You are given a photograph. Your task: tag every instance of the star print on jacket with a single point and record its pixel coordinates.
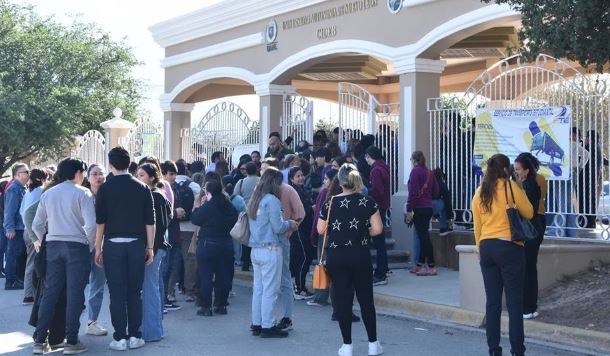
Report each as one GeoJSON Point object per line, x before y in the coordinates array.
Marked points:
{"type": "Point", "coordinates": [363, 201]}
{"type": "Point", "coordinates": [345, 203]}
{"type": "Point", "coordinates": [353, 224]}
{"type": "Point", "coordinates": [348, 220]}
{"type": "Point", "coordinates": [337, 225]}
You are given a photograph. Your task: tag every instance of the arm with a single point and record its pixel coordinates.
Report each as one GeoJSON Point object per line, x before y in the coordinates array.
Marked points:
{"type": "Point", "coordinates": [413, 188]}
{"type": "Point", "coordinates": [149, 219]}
{"type": "Point", "coordinates": [28, 221]}
{"type": "Point", "coordinates": [195, 188]}
{"type": "Point", "coordinates": [376, 186]}
{"type": "Point", "coordinates": [376, 224]}
{"type": "Point", "coordinates": [11, 207]}
{"type": "Point", "coordinates": [321, 226]}
{"type": "Point", "coordinates": [278, 224]}
{"type": "Point", "coordinates": [99, 237]}
{"type": "Point", "coordinates": [40, 219]}
{"type": "Point", "coordinates": [88, 211]}
{"type": "Point", "coordinates": [476, 215]}
{"type": "Point", "coordinates": [198, 216]}
{"type": "Point", "coordinates": [523, 205]}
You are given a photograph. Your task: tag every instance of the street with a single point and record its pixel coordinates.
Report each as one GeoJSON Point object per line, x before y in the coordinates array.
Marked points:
{"type": "Point", "coordinates": [314, 334]}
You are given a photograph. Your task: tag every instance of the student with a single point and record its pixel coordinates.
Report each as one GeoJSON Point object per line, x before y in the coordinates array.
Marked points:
{"type": "Point", "coordinates": [323, 157]}
{"type": "Point", "coordinates": [14, 228]}
{"type": "Point", "coordinates": [126, 227]}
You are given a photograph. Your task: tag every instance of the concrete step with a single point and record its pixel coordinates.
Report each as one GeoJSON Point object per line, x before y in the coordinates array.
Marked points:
{"type": "Point", "coordinates": [393, 256]}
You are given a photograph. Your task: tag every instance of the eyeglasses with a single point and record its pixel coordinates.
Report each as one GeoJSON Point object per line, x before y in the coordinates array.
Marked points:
{"type": "Point", "coordinates": [26, 172]}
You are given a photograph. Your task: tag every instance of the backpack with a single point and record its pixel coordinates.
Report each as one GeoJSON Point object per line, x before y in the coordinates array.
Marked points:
{"type": "Point", "coordinates": [185, 198]}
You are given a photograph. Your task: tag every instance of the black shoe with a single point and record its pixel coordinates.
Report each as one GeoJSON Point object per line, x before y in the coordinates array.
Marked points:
{"type": "Point", "coordinates": [2, 275]}
{"type": "Point", "coordinates": [222, 310]}
{"type": "Point", "coordinates": [285, 324]}
{"type": "Point", "coordinates": [256, 330]}
{"type": "Point", "coordinates": [205, 312]}
{"type": "Point", "coordinates": [171, 306]}
{"type": "Point", "coordinates": [445, 232]}
{"type": "Point", "coordinates": [14, 286]}
{"type": "Point", "coordinates": [245, 268]}
{"type": "Point", "coordinates": [355, 318]}
{"type": "Point", "coordinates": [273, 332]}
{"type": "Point", "coordinates": [379, 281]}
{"type": "Point", "coordinates": [334, 317]}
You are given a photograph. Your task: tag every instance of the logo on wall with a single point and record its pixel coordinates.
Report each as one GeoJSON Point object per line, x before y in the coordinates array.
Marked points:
{"type": "Point", "coordinates": [271, 36]}
{"type": "Point", "coordinates": [394, 6]}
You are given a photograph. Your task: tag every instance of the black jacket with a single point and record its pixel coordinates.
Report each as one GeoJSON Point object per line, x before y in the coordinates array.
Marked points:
{"type": "Point", "coordinates": [216, 218]}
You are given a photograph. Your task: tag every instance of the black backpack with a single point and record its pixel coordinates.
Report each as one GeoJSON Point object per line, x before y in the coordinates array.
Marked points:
{"type": "Point", "coordinates": [185, 198]}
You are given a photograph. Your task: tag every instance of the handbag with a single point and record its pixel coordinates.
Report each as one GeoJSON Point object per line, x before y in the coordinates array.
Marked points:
{"type": "Point", "coordinates": [321, 280]}
{"type": "Point", "coordinates": [241, 229]}
{"type": "Point", "coordinates": [520, 229]}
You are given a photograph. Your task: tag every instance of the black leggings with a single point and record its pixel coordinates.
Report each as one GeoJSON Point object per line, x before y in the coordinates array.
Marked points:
{"type": "Point", "coordinates": [530, 286]}
{"type": "Point", "coordinates": [421, 221]}
{"type": "Point", "coordinates": [350, 270]}
{"type": "Point", "coordinates": [301, 255]}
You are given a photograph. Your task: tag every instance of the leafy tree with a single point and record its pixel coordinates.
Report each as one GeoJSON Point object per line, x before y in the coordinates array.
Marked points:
{"type": "Point", "coordinates": [578, 30]}
{"type": "Point", "coordinates": [56, 82]}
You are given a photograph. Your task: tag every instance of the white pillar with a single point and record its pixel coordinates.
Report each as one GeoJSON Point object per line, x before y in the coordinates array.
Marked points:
{"type": "Point", "coordinates": [271, 110]}
{"type": "Point", "coordinates": [115, 129]}
{"type": "Point", "coordinates": [176, 116]}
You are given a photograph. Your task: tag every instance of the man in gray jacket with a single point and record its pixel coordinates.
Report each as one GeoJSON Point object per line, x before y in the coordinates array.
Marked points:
{"type": "Point", "coordinates": [69, 212]}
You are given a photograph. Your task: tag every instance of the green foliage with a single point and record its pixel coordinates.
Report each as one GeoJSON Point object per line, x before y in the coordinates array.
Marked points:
{"type": "Point", "coordinates": [57, 81]}
{"type": "Point", "coordinates": [578, 30]}
{"type": "Point", "coordinates": [325, 125]}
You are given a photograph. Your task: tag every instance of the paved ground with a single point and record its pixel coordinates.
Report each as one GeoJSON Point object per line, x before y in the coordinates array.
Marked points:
{"type": "Point", "coordinates": [314, 334]}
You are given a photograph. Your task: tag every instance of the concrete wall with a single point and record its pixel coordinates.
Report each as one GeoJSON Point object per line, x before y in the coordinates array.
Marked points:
{"type": "Point", "coordinates": [554, 262]}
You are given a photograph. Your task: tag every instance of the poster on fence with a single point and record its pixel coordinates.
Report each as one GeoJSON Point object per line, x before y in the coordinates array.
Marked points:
{"type": "Point", "coordinates": [149, 144]}
{"type": "Point", "coordinates": [545, 132]}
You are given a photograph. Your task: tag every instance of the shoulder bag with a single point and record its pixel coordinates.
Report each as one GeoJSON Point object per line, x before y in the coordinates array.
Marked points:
{"type": "Point", "coordinates": [321, 280]}
{"type": "Point", "coordinates": [520, 229]}
{"type": "Point", "coordinates": [241, 229]}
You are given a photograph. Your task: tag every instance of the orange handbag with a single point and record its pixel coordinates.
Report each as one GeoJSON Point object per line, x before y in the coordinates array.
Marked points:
{"type": "Point", "coordinates": [321, 280]}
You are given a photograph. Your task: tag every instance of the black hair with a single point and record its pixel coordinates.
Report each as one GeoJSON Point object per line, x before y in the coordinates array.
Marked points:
{"type": "Point", "coordinates": [273, 162]}
{"type": "Point", "coordinates": [323, 152]}
{"type": "Point", "coordinates": [340, 160]}
{"type": "Point", "coordinates": [245, 158]}
{"type": "Point", "coordinates": [197, 167]}
{"type": "Point", "coordinates": [220, 199]}
{"type": "Point", "coordinates": [181, 167]}
{"type": "Point", "coordinates": [133, 168]}
{"type": "Point", "coordinates": [251, 168]}
{"type": "Point", "coordinates": [118, 157]}
{"type": "Point", "coordinates": [68, 167]}
{"type": "Point", "coordinates": [168, 166]}
{"type": "Point", "coordinates": [374, 153]}
{"type": "Point", "coordinates": [293, 172]}
{"type": "Point", "coordinates": [276, 134]}
{"type": "Point", "coordinates": [215, 156]}
{"type": "Point", "coordinates": [37, 178]}
{"type": "Point", "coordinates": [153, 172]}
{"type": "Point", "coordinates": [253, 152]}
{"type": "Point", "coordinates": [331, 174]}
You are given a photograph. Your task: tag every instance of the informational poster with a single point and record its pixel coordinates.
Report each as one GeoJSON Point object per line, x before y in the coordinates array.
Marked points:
{"type": "Point", "coordinates": [149, 144]}
{"type": "Point", "coordinates": [545, 132]}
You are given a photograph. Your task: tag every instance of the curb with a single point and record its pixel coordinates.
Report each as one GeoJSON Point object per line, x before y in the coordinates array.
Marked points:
{"type": "Point", "coordinates": [595, 342]}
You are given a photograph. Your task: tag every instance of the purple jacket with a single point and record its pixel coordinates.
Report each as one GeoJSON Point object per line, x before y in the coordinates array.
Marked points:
{"type": "Point", "coordinates": [422, 187]}
{"type": "Point", "coordinates": [380, 184]}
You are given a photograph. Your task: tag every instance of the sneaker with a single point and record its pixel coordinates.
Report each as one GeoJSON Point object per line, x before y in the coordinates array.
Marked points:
{"type": "Point", "coordinates": [57, 346]}
{"type": "Point", "coordinates": [2, 275]}
{"type": "Point", "coordinates": [535, 315]}
{"type": "Point", "coordinates": [28, 301]}
{"type": "Point", "coordinates": [164, 311]}
{"type": "Point", "coordinates": [77, 348]}
{"type": "Point", "coordinates": [232, 294]}
{"type": "Point", "coordinates": [379, 281]}
{"type": "Point", "coordinates": [93, 328]}
{"type": "Point", "coordinates": [285, 324]}
{"type": "Point", "coordinates": [355, 318]}
{"type": "Point", "coordinates": [38, 348]}
{"type": "Point", "coordinates": [17, 285]}
{"type": "Point", "coordinates": [445, 232]}
{"type": "Point", "coordinates": [273, 332]}
{"type": "Point", "coordinates": [528, 316]}
{"type": "Point", "coordinates": [415, 269]}
{"type": "Point", "coordinates": [189, 299]}
{"type": "Point", "coordinates": [171, 298]}
{"type": "Point", "coordinates": [136, 342]}
{"type": "Point", "coordinates": [120, 345]}
{"type": "Point", "coordinates": [205, 312]}
{"type": "Point", "coordinates": [303, 295]}
{"type": "Point", "coordinates": [375, 348]}
{"type": "Point", "coordinates": [172, 306]}
{"type": "Point", "coordinates": [427, 271]}
{"type": "Point", "coordinates": [346, 350]}
{"type": "Point", "coordinates": [313, 303]}
{"type": "Point", "coordinates": [220, 310]}
{"type": "Point", "coordinates": [256, 330]}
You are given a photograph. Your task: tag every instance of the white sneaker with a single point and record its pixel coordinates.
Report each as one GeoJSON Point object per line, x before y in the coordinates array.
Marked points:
{"type": "Point", "coordinates": [345, 350]}
{"type": "Point", "coordinates": [120, 345]}
{"type": "Point", "coordinates": [528, 316]}
{"type": "Point", "coordinates": [96, 330]}
{"type": "Point", "coordinates": [535, 315]}
{"type": "Point", "coordinates": [135, 343]}
{"type": "Point", "coordinates": [375, 348]}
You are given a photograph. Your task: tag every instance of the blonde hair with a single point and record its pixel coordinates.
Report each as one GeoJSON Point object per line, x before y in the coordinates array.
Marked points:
{"type": "Point", "coordinates": [349, 177]}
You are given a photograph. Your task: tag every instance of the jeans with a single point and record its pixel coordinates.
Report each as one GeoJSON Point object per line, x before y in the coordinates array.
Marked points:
{"type": "Point", "coordinates": [124, 267]}
{"type": "Point", "coordinates": [267, 265]}
{"type": "Point", "coordinates": [167, 267]}
{"type": "Point", "coordinates": [3, 245]}
{"type": "Point", "coordinates": [215, 265]}
{"type": "Point", "coordinates": [438, 208]}
{"type": "Point", "coordinates": [97, 280]}
{"type": "Point", "coordinates": [67, 269]}
{"type": "Point", "coordinates": [15, 264]}
{"type": "Point", "coordinates": [152, 304]}
{"type": "Point", "coordinates": [287, 304]}
{"type": "Point", "coordinates": [421, 221]}
{"type": "Point", "coordinates": [189, 278]}
{"type": "Point", "coordinates": [28, 284]}
{"type": "Point", "coordinates": [236, 250]}
{"type": "Point", "coordinates": [503, 268]}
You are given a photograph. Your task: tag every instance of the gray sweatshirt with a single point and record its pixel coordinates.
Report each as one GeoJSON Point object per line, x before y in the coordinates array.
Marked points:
{"type": "Point", "coordinates": [69, 212]}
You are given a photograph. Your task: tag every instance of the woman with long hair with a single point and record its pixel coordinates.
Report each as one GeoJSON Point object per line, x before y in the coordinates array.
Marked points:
{"type": "Point", "coordinates": [351, 218]}
{"type": "Point", "coordinates": [152, 289]}
{"type": "Point", "coordinates": [267, 226]}
{"type": "Point", "coordinates": [502, 260]}
{"type": "Point", "coordinates": [216, 217]}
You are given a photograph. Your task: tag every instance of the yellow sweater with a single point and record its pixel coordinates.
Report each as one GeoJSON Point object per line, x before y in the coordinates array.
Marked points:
{"type": "Point", "coordinates": [494, 224]}
{"type": "Point", "coordinates": [543, 190]}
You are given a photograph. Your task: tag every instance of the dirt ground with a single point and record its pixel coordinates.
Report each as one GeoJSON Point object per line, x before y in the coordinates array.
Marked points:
{"type": "Point", "coordinates": [581, 301]}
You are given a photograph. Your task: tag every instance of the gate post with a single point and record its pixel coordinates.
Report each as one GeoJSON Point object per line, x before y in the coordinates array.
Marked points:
{"type": "Point", "coordinates": [115, 129]}
{"type": "Point", "coordinates": [271, 110]}
{"type": "Point", "coordinates": [176, 116]}
{"type": "Point", "coordinates": [419, 80]}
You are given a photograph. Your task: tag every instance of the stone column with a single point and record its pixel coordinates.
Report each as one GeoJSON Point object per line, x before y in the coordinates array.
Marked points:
{"type": "Point", "coordinates": [419, 80]}
{"type": "Point", "coordinates": [271, 110]}
{"type": "Point", "coordinates": [115, 129]}
{"type": "Point", "coordinates": [176, 116]}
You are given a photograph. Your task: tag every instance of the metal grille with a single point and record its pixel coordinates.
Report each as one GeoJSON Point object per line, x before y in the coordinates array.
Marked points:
{"type": "Point", "coordinates": [92, 148]}
{"type": "Point", "coordinates": [145, 138]}
{"type": "Point", "coordinates": [579, 206]}
{"type": "Point", "coordinates": [297, 120]}
{"type": "Point", "coordinates": [224, 128]}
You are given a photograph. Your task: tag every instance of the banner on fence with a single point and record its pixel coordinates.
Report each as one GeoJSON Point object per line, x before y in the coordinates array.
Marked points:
{"type": "Point", "coordinates": [545, 132]}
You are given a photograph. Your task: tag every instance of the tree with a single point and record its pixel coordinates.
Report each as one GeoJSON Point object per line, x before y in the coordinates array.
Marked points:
{"type": "Point", "coordinates": [578, 30]}
{"type": "Point", "coordinates": [57, 82]}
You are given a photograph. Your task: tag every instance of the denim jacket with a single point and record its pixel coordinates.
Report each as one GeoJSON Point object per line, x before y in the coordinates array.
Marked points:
{"type": "Point", "coordinates": [269, 225]}
{"type": "Point", "coordinates": [12, 202]}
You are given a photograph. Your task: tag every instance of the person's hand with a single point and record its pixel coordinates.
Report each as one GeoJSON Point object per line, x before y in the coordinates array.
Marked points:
{"type": "Point", "coordinates": [294, 226]}
{"type": "Point", "coordinates": [409, 218]}
{"type": "Point", "coordinates": [37, 244]}
{"type": "Point", "coordinates": [150, 256]}
{"type": "Point", "coordinates": [99, 258]}
{"type": "Point", "coordinates": [180, 213]}
{"type": "Point", "coordinates": [10, 235]}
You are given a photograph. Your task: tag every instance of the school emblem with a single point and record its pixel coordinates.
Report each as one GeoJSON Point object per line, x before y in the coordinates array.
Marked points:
{"type": "Point", "coordinates": [394, 6]}
{"type": "Point", "coordinates": [271, 35]}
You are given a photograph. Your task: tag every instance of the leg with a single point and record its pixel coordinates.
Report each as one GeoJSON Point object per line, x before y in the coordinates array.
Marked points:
{"type": "Point", "coordinates": [78, 266]}
{"type": "Point", "coordinates": [438, 207]}
{"type": "Point", "coordinates": [54, 286]}
{"type": "Point", "coordinates": [152, 309]}
{"type": "Point", "coordinates": [363, 285]}
{"type": "Point", "coordinates": [14, 250]}
{"type": "Point", "coordinates": [136, 258]}
{"type": "Point", "coordinates": [57, 329]}
{"type": "Point", "coordinates": [163, 256]}
{"type": "Point", "coordinates": [513, 269]}
{"type": "Point", "coordinates": [421, 221]}
{"type": "Point", "coordinates": [3, 244]}
{"type": "Point", "coordinates": [29, 266]}
{"type": "Point", "coordinates": [222, 274]}
{"type": "Point", "coordinates": [97, 280]}
{"type": "Point", "coordinates": [343, 300]}
{"type": "Point", "coordinates": [272, 276]}
{"type": "Point", "coordinates": [115, 265]}
{"type": "Point", "coordinates": [309, 256]}
{"type": "Point", "coordinates": [492, 279]}
{"type": "Point", "coordinates": [530, 286]}
{"type": "Point", "coordinates": [295, 259]}
{"type": "Point", "coordinates": [382, 254]}
{"type": "Point", "coordinates": [257, 286]}
{"type": "Point", "coordinates": [321, 295]}
{"type": "Point", "coordinates": [286, 281]}
{"type": "Point", "coordinates": [205, 264]}
{"type": "Point", "coordinates": [190, 265]}
{"type": "Point", "coordinates": [245, 257]}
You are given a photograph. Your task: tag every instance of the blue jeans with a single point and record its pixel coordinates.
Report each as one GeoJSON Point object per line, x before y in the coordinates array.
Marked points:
{"type": "Point", "coordinates": [167, 266]}
{"type": "Point", "coordinates": [97, 280]}
{"type": "Point", "coordinates": [15, 263]}
{"type": "Point", "coordinates": [215, 265]}
{"type": "Point", "coordinates": [267, 265]}
{"type": "Point", "coordinates": [236, 250]}
{"type": "Point", "coordinates": [438, 208]}
{"type": "Point", "coordinates": [287, 290]}
{"type": "Point", "coordinates": [152, 304]}
{"type": "Point", "coordinates": [3, 245]}
{"type": "Point", "coordinates": [67, 269]}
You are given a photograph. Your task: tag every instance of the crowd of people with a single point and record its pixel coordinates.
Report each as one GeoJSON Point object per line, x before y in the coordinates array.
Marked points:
{"type": "Point", "coordinates": [148, 229]}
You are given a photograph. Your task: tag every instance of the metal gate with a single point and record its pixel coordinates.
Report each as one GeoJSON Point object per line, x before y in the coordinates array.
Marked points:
{"type": "Point", "coordinates": [145, 138]}
{"type": "Point", "coordinates": [360, 113]}
{"type": "Point", "coordinates": [92, 148]}
{"type": "Point", "coordinates": [297, 119]}
{"type": "Point", "coordinates": [579, 206]}
{"type": "Point", "coordinates": [225, 128]}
